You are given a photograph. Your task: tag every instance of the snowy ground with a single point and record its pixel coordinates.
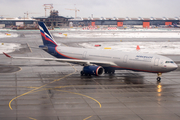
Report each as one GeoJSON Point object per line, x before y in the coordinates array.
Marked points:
{"type": "Point", "coordinates": [117, 29]}
{"type": "Point", "coordinates": [4, 35]}
{"type": "Point", "coordinates": [145, 47]}
{"type": "Point", "coordinates": [8, 47]}
{"type": "Point", "coordinates": [175, 34]}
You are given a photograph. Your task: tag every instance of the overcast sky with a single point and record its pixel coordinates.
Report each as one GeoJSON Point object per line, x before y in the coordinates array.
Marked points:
{"type": "Point", "coordinates": [99, 8]}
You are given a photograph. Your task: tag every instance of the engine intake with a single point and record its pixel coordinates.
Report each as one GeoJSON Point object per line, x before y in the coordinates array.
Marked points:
{"type": "Point", "coordinates": [92, 70]}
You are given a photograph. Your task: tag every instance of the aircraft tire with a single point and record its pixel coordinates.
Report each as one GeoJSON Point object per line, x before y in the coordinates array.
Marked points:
{"type": "Point", "coordinates": [158, 79]}
{"type": "Point", "coordinates": [82, 73]}
{"type": "Point", "coordinates": [86, 74]}
{"type": "Point", "coordinates": [111, 71]}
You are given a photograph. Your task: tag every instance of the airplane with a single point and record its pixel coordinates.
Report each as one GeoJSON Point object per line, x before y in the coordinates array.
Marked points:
{"type": "Point", "coordinates": [96, 62]}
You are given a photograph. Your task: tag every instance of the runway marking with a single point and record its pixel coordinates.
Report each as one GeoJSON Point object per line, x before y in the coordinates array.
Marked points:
{"type": "Point", "coordinates": [36, 89]}
{"type": "Point", "coordinates": [82, 95]}
{"type": "Point", "coordinates": [72, 93]}
{"type": "Point", "coordinates": [29, 47]}
{"type": "Point", "coordinates": [32, 118]}
{"type": "Point", "coordinates": [87, 117]}
{"type": "Point", "coordinates": [41, 87]}
{"type": "Point", "coordinates": [68, 86]}
{"type": "Point", "coordinates": [68, 92]}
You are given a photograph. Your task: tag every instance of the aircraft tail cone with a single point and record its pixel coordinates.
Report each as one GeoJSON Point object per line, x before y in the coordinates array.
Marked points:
{"type": "Point", "coordinates": [137, 48]}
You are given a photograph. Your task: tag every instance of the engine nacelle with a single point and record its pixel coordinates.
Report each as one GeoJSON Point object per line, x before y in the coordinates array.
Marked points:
{"type": "Point", "coordinates": [92, 70]}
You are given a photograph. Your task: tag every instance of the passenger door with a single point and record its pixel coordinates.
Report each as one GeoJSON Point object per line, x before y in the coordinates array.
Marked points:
{"type": "Point", "coordinates": [156, 61]}
{"type": "Point", "coordinates": [84, 54]}
{"type": "Point", "coordinates": [125, 58]}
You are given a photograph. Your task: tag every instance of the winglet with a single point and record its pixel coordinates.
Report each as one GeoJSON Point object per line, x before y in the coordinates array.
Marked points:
{"type": "Point", "coordinates": [7, 55]}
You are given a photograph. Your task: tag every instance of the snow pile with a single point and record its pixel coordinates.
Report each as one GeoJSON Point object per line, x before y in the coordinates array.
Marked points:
{"type": "Point", "coordinates": [9, 47]}
{"type": "Point", "coordinates": [145, 47]}
{"type": "Point", "coordinates": [4, 35]}
{"type": "Point", "coordinates": [119, 34]}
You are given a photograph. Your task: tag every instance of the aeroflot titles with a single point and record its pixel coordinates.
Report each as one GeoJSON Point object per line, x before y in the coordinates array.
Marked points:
{"type": "Point", "coordinates": [146, 57]}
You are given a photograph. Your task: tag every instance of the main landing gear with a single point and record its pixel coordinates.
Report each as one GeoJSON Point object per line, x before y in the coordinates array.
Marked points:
{"type": "Point", "coordinates": [109, 71]}
{"type": "Point", "coordinates": [159, 77]}
{"type": "Point", "coordinates": [82, 74]}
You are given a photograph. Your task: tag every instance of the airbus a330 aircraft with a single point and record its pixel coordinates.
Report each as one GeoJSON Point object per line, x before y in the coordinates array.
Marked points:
{"type": "Point", "coordinates": [96, 62]}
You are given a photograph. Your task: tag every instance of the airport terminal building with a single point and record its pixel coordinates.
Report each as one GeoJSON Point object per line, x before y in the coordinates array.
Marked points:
{"type": "Point", "coordinates": [12, 22]}
{"type": "Point", "coordinates": [54, 20]}
{"type": "Point", "coordinates": [120, 22]}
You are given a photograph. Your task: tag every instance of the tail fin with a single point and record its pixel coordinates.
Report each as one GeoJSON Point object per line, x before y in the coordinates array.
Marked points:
{"type": "Point", "coordinates": [47, 38]}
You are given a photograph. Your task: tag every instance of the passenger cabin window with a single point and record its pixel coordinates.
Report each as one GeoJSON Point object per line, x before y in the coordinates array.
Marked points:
{"type": "Point", "coordinates": [169, 62]}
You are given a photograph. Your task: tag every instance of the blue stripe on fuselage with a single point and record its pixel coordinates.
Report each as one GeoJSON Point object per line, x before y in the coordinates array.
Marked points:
{"type": "Point", "coordinates": [52, 50]}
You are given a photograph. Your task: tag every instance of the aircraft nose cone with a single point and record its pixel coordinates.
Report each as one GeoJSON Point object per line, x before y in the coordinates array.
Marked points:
{"type": "Point", "coordinates": [176, 66]}
{"type": "Point", "coordinates": [173, 66]}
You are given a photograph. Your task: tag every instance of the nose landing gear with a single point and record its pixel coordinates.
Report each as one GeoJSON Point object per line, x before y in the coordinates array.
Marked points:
{"type": "Point", "coordinates": [159, 77]}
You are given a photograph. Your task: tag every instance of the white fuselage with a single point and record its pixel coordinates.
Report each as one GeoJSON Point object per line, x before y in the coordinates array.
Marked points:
{"type": "Point", "coordinates": [124, 60]}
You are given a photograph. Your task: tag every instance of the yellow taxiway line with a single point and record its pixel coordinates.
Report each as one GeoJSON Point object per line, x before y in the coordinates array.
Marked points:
{"type": "Point", "coordinates": [37, 89]}
{"type": "Point", "coordinates": [41, 87]}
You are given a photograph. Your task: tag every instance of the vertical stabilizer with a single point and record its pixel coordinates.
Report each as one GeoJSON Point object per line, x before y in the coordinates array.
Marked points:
{"type": "Point", "coordinates": [47, 38]}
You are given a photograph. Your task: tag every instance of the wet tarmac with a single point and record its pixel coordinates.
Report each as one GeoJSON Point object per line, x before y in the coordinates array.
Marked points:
{"type": "Point", "coordinates": [42, 90]}
{"type": "Point", "coordinates": [9, 68]}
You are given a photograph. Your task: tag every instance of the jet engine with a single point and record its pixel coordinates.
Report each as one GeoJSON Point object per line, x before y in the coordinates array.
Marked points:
{"type": "Point", "coordinates": [92, 70]}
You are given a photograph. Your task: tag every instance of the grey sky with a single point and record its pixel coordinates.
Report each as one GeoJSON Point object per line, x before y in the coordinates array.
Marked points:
{"type": "Point", "coordinates": [99, 8]}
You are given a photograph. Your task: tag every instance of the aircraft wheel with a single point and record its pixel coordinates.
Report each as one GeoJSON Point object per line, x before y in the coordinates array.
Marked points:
{"type": "Point", "coordinates": [111, 71]}
{"type": "Point", "coordinates": [82, 73]}
{"type": "Point", "coordinates": [158, 79]}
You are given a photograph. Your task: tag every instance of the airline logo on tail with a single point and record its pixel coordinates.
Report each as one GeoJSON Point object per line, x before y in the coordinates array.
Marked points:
{"type": "Point", "coordinates": [46, 35]}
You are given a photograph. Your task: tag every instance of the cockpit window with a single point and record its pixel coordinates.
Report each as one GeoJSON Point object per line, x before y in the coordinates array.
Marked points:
{"type": "Point", "coordinates": [169, 62]}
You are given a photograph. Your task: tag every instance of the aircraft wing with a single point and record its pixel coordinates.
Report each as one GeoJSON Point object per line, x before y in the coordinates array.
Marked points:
{"type": "Point", "coordinates": [80, 62]}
